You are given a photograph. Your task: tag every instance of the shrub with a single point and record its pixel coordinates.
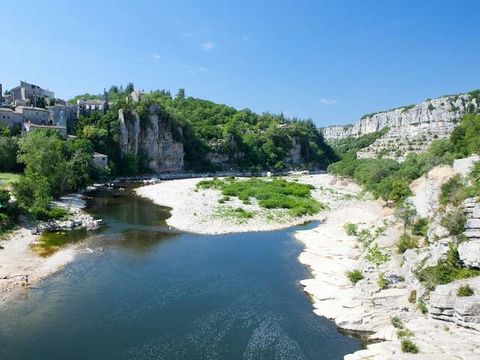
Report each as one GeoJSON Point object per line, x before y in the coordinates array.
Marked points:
{"type": "Point", "coordinates": [422, 306]}
{"type": "Point", "coordinates": [420, 227]}
{"type": "Point", "coordinates": [404, 333]}
{"type": "Point", "coordinates": [454, 221]}
{"type": "Point", "coordinates": [351, 229]}
{"type": "Point", "coordinates": [382, 282]}
{"type": "Point", "coordinates": [376, 256]}
{"type": "Point", "coordinates": [412, 297]}
{"type": "Point", "coordinates": [452, 192]}
{"type": "Point", "coordinates": [408, 346]}
{"type": "Point", "coordinates": [397, 322]}
{"type": "Point", "coordinates": [406, 242]}
{"type": "Point", "coordinates": [354, 276]}
{"type": "Point", "coordinates": [465, 290]}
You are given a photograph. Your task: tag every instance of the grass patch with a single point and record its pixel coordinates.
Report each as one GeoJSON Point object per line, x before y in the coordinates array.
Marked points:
{"type": "Point", "coordinates": [238, 214]}
{"type": "Point", "coordinates": [412, 297]}
{"type": "Point", "coordinates": [270, 194]}
{"type": "Point", "coordinates": [351, 229]}
{"type": "Point", "coordinates": [464, 291]}
{"type": "Point", "coordinates": [408, 346]}
{"type": "Point", "coordinates": [354, 276]}
{"type": "Point", "coordinates": [397, 322]}
{"type": "Point", "coordinates": [422, 306]}
{"type": "Point", "coordinates": [7, 179]}
{"type": "Point", "coordinates": [406, 242]}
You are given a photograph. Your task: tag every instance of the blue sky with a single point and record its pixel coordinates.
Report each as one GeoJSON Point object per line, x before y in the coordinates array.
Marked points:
{"type": "Point", "coordinates": [331, 61]}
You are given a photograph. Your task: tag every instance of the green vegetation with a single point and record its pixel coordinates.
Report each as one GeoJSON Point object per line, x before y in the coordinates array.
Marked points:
{"type": "Point", "coordinates": [8, 212]}
{"type": "Point", "coordinates": [53, 167]}
{"type": "Point", "coordinates": [351, 145]}
{"type": "Point", "coordinates": [454, 221]}
{"type": "Point", "coordinates": [351, 229]}
{"type": "Point", "coordinates": [465, 290]}
{"type": "Point", "coordinates": [406, 242]}
{"type": "Point", "coordinates": [390, 180]}
{"type": "Point", "coordinates": [420, 227]}
{"type": "Point", "coordinates": [397, 322]}
{"type": "Point", "coordinates": [408, 346]}
{"type": "Point", "coordinates": [354, 276]}
{"type": "Point", "coordinates": [238, 214]}
{"type": "Point", "coordinates": [376, 256]}
{"type": "Point", "coordinates": [382, 282]}
{"type": "Point", "coordinates": [412, 297]}
{"type": "Point", "coordinates": [8, 179]}
{"type": "Point", "coordinates": [422, 306]}
{"type": "Point", "coordinates": [445, 271]}
{"type": "Point", "coordinates": [270, 194]}
{"type": "Point", "coordinates": [402, 333]}
{"type": "Point", "coordinates": [250, 141]}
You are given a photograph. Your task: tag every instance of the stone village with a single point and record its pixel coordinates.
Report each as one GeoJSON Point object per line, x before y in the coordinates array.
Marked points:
{"type": "Point", "coordinates": [29, 107]}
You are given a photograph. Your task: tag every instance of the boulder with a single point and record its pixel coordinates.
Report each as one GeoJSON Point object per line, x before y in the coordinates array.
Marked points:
{"type": "Point", "coordinates": [469, 253]}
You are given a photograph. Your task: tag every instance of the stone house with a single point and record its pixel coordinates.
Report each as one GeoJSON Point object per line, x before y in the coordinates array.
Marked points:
{"type": "Point", "coordinates": [86, 107]}
{"type": "Point", "coordinates": [33, 115]}
{"type": "Point", "coordinates": [30, 92]}
{"type": "Point", "coordinates": [9, 117]}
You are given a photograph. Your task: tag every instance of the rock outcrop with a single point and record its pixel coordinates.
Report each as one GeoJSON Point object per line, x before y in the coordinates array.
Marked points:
{"type": "Point", "coordinates": [469, 250]}
{"type": "Point", "coordinates": [411, 128]}
{"type": "Point", "coordinates": [462, 310]}
{"type": "Point", "coordinates": [152, 139]}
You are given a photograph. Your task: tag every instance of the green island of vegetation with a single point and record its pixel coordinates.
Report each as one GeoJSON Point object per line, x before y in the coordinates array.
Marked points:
{"type": "Point", "coordinates": [270, 194]}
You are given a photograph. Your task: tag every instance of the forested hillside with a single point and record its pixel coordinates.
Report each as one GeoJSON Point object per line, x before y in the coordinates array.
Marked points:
{"type": "Point", "coordinates": [241, 139]}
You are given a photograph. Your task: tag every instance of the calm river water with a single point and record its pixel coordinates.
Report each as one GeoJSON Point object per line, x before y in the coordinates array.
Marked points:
{"type": "Point", "coordinates": [152, 294]}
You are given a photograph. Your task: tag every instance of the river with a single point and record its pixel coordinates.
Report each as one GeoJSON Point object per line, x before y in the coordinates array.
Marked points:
{"type": "Point", "coordinates": [148, 293]}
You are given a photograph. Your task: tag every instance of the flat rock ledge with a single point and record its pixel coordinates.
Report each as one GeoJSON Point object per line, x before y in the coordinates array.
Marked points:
{"type": "Point", "coordinates": [447, 306]}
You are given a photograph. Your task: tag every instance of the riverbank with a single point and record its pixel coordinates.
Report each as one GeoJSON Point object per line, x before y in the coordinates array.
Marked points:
{"type": "Point", "coordinates": [365, 307]}
{"type": "Point", "coordinates": [25, 259]}
{"type": "Point", "coordinates": [203, 211]}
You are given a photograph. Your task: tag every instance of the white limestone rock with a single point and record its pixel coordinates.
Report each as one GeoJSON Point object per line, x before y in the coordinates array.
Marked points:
{"type": "Point", "coordinates": [469, 253]}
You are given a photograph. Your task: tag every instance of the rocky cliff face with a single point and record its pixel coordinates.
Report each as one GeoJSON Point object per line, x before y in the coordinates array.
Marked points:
{"type": "Point", "coordinates": [152, 140]}
{"type": "Point", "coordinates": [411, 128]}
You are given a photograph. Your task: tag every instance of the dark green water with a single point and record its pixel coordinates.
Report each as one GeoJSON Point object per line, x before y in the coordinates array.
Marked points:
{"type": "Point", "coordinates": [152, 294]}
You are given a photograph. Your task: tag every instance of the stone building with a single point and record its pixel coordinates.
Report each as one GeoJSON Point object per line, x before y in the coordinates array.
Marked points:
{"type": "Point", "coordinates": [9, 118]}
{"type": "Point", "coordinates": [62, 115]}
{"type": "Point", "coordinates": [86, 107]}
{"type": "Point", "coordinates": [33, 115]}
{"type": "Point", "coordinates": [30, 94]}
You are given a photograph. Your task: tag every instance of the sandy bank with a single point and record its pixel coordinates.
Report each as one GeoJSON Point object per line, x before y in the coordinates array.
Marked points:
{"type": "Point", "coordinates": [17, 260]}
{"type": "Point", "coordinates": [198, 210]}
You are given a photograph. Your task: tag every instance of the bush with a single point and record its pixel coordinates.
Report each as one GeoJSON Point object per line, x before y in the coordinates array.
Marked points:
{"type": "Point", "coordinates": [274, 194]}
{"type": "Point", "coordinates": [376, 256]}
{"type": "Point", "coordinates": [452, 192]}
{"type": "Point", "coordinates": [351, 229]}
{"type": "Point", "coordinates": [454, 221]}
{"type": "Point", "coordinates": [420, 227]}
{"type": "Point", "coordinates": [412, 297]}
{"type": "Point", "coordinates": [354, 276]}
{"type": "Point", "coordinates": [397, 322]}
{"type": "Point", "coordinates": [422, 306]}
{"type": "Point", "coordinates": [408, 346]}
{"type": "Point", "coordinates": [382, 282]}
{"type": "Point", "coordinates": [465, 290]}
{"type": "Point", "coordinates": [406, 242]}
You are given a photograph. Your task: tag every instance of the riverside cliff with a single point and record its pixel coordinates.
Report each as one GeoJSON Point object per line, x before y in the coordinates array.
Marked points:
{"type": "Point", "coordinates": [410, 128]}
{"type": "Point", "coordinates": [151, 138]}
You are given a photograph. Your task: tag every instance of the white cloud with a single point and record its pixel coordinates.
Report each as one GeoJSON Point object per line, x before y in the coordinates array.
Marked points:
{"type": "Point", "coordinates": [156, 56]}
{"type": "Point", "coordinates": [207, 46]}
{"type": "Point", "coordinates": [325, 101]}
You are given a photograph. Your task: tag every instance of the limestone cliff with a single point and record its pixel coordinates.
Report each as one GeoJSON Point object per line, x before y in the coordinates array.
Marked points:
{"type": "Point", "coordinates": [152, 139]}
{"type": "Point", "coordinates": [411, 128]}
